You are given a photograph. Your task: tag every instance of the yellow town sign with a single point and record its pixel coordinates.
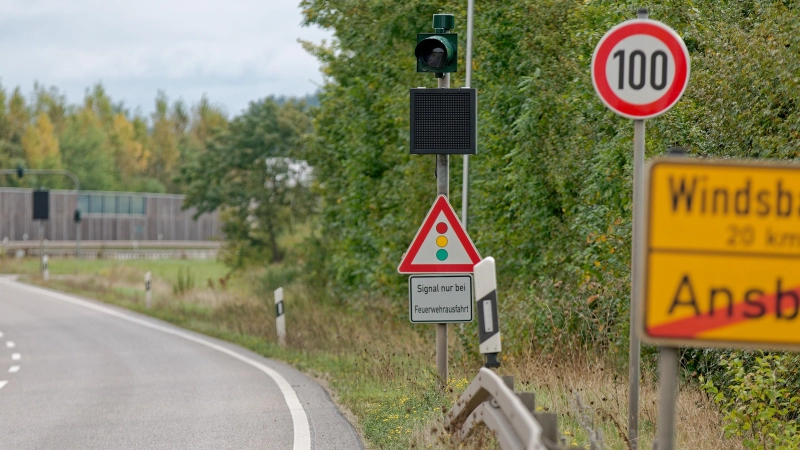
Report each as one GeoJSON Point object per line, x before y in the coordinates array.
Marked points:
{"type": "Point", "coordinates": [721, 255]}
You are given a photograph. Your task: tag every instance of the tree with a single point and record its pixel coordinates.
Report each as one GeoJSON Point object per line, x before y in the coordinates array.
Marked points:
{"type": "Point", "coordinates": [40, 144]}
{"type": "Point", "coordinates": [253, 169]}
{"type": "Point", "coordinates": [86, 151]}
{"type": "Point", "coordinates": [164, 150]}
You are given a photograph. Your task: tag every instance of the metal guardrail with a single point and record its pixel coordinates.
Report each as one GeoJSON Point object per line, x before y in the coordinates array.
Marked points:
{"type": "Point", "coordinates": [116, 245]}
{"type": "Point", "coordinates": [116, 249]}
{"type": "Point", "coordinates": [491, 401]}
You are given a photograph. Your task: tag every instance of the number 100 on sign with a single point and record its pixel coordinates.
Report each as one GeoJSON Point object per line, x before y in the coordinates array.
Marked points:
{"type": "Point", "coordinates": [640, 68]}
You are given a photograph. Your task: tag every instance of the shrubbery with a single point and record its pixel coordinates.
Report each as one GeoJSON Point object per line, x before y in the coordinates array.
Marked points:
{"type": "Point", "coordinates": [760, 397]}
{"type": "Point", "coordinates": [551, 185]}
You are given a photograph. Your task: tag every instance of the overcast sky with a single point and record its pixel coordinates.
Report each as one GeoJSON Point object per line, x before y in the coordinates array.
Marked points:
{"type": "Point", "coordinates": [234, 51]}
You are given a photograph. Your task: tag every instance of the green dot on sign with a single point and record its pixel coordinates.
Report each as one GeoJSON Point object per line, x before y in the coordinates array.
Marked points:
{"type": "Point", "coordinates": [441, 254]}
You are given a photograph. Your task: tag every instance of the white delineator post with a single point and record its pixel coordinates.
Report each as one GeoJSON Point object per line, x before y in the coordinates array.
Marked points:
{"type": "Point", "coordinates": [488, 320]}
{"type": "Point", "coordinates": [148, 295]}
{"type": "Point", "coordinates": [280, 317]}
{"type": "Point", "coordinates": [45, 268]}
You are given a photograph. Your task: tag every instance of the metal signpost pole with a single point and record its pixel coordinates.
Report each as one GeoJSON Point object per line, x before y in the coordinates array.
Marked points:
{"type": "Point", "coordinates": [465, 184]}
{"type": "Point", "coordinates": [667, 397]}
{"type": "Point", "coordinates": [668, 365]}
{"type": "Point", "coordinates": [442, 188]}
{"type": "Point", "coordinates": [437, 53]}
{"type": "Point", "coordinates": [41, 245]}
{"type": "Point", "coordinates": [635, 345]}
{"type": "Point", "coordinates": [634, 357]}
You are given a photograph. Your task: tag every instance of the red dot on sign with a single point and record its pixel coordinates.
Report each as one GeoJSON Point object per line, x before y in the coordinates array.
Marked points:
{"type": "Point", "coordinates": [441, 227]}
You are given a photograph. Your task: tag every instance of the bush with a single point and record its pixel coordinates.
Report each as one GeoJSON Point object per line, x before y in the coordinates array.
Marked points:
{"type": "Point", "coordinates": [759, 396]}
{"type": "Point", "coordinates": [184, 281]}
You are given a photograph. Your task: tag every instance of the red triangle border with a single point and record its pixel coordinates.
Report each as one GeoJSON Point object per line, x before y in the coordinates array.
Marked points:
{"type": "Point", "coordinates": [440, 205]}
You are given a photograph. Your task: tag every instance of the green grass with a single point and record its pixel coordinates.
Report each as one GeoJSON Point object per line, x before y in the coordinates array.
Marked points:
{"type": "Point", "coordinates": [162, 268]}
{"type": "Point", "coordinates": [393, 397]}
{"type": "Point", "coordinates": [378, 365]}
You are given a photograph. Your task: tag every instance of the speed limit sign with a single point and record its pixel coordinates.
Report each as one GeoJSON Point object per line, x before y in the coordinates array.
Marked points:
{"type": "Point", "coordinates": [640, 68]}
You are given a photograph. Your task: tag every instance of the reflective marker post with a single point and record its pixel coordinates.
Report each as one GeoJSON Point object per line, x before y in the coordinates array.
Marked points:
{"type": "Point", "coordinates": [148, 296]}
{"type": "Point", "coordinates": [45, 268]}
{"type": "Point", "coordinates": [280, 317]}
{"type": "Point", "coordinates": [488, 321]}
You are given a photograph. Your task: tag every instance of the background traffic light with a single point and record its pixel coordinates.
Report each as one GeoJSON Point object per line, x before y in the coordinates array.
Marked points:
{"type": "Point", "coordinates": [438, 52]}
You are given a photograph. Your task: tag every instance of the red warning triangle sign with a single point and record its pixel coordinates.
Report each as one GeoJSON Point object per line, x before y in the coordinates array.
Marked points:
{"type": "Point", "coordinates": [441, 244]}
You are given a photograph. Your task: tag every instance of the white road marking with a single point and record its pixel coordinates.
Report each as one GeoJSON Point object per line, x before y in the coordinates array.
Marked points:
{"type": "Point", "coordinates": [13, 369]}
{"type": "Point", "coordinates": [16, 356]}
{"type": "Point", "coordinates": [10, 344]}
{"type": "Point", "coordinates": [302, 434]}
{"type": "Point", "coordinates": [3, 383]}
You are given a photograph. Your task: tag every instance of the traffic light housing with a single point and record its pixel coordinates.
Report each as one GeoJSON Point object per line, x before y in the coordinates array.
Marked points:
{"type": "Point", "coordinates": [77, 216]}
{"type": "Point", "coordinates": [438, 52]}
{"type": "Point", "coordinates": [41, 205]}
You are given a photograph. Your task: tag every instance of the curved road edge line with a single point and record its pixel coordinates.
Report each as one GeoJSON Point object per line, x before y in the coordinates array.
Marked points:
{"type": "Point", "coordinates": [302, 434]}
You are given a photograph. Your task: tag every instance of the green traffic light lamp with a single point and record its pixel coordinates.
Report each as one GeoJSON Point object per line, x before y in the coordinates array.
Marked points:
{"type": "Point", "coordinates": [438, 52]}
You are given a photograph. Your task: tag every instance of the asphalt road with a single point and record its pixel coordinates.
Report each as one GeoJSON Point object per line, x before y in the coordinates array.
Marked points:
{"type": "Point", "coordinates": [77, 374]}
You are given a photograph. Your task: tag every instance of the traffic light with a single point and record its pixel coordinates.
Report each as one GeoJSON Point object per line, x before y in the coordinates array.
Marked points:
{"type": "Point", "coordinates": [20, 171]}
{"type": "Point", "coordinates": [77, 216]}
{"type": "Point", "coordinates": [41, 205]}
{"type": "Point", "coordinates": [438, 52]}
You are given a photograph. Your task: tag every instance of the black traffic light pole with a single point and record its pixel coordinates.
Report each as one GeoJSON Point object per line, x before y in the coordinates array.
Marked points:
{"type": "Point", "coordinates": [442, 188]}
{"type": "Point", "coordinates": [437, 52]}
{"type": "Point", "coordinates": [20, 172]}
{"type": "Point", "coordinates": [454, 121]}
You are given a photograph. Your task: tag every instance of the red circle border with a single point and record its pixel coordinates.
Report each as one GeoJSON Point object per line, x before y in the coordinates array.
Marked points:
{"type": "Point", "coordinates": [679, 53]}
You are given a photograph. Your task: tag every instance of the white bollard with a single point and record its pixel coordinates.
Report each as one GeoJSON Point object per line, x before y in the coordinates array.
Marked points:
{"type": "Point", "coordinates": [280, 317]}
{"type": "Point", "coordinates": [488, 322]}
{"type": "Point", "coordinates": [148, 296]}
{"type": "Point", "coordinates": [45, 268]}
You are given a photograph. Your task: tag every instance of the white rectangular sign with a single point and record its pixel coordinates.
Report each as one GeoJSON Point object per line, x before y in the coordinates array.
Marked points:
{"type": "Point", "coordinates": [440, 298]}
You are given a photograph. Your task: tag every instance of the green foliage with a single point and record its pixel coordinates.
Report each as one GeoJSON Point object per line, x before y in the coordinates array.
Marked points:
{"type": "Point", "coordinates": [184, 281]}
{"type": "Point", "coordinates": [100, 141]}
{"type": "Point", "coordinates": [254, 169]}
{"type": "Point", "coordinates": [760, 399]}
{"type": "Point", "coordinates": [550, 193]}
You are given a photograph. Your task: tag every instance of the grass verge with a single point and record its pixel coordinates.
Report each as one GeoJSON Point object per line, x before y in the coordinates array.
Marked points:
{"type": "Point", "coordinates": [378, 366]}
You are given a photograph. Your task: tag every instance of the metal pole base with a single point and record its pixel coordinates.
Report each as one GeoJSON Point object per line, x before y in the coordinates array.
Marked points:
{"type": "Point", "coordinates": [491, 361]}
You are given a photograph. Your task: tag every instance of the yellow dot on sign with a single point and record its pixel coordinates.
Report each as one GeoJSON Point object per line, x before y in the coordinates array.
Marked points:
{"type": "Point", "coordinates": [441, 241]}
